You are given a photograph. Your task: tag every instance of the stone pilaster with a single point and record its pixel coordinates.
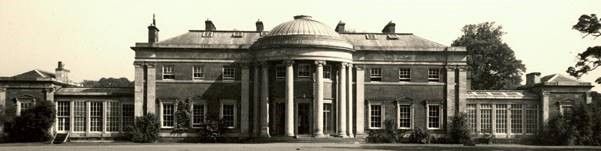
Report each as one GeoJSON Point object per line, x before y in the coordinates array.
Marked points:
{"type": "Point", "coordinates": [342, 101]}
{"type": "Point", "coordinates": [49, 93]}
{"type": "Point", "coordinates": [360, 101]}
{"type": "Point", "coordinates": [244, 101]}
{"type": "Point", "coordinates": [318, 103]}
{"type": "Point", "coordinates": [265, 101]}
{"type": "Point", "coordinates": [462, 88]}
{"type": "Point", "coordinates": [139, 90]}
{"type": "Point", "coordinates": [71, 116]}
{"type": "Point", "coordinates": [256, 101]}
{"type": "Point", "coordinates": [2, 101]}
{"type": "Point", "coordinates": [349, 100]}
{"type": "Point", "coordinates": [545, 106]}
{"type": "Point", "coordinates": [289, 125]}
{"type": "Point", "coordinates": [451, 97]}
{"type": "Point", "coordinates": [150, 88]}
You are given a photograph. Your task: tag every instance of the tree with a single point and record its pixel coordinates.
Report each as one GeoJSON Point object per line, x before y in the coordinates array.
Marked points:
{"type": "Point", "coordinates": [108, 82]}
{"type": "Point", "coordinates": [590, 59]}
{"type": "Point", "coordinates": [492, 62]}
{"type": "Point", "coordinates": [459, 131]}
{"type": "Point", "coordinates": [33, 125]}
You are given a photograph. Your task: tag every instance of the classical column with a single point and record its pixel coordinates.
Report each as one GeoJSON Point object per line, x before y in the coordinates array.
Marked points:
{"type": "Point", "coordinates": [360, 101]}
{"type": "Point", "coordinates": [318, 103]}
{"type": "Point", "coordinates": [256, 102]}
{"type": "Point", "coordinates": [342, 101]}
{"type": "Point", "coordinates": [265, 100]}
{"type": "Point", "coordinates": [349, 102]}
{"type": "Point", "coordinates": [244, 101]}
{"type": "Point", "coordinates": [462, 89]}
{"type": "Point", "coordinates": [139, 90]}
{"type": "Point", "coordinates": [150, 88]}
{"type": "Point", "coordinates": [289, 125]}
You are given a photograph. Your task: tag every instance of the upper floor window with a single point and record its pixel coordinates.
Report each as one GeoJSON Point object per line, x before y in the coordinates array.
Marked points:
{"type": "Point", "coordinates": [197, 72]}
{"type": "Point", "coordinates": [304, 70]}
{"type": "Point", "coordinates": [434, 74]}
{"type": "Point", "coordinates": [207, 34]}
{"type": "Point", "coordinates": [168, 72]}
{"type": "Point", "coordinates": [237, 34]}
{"type": "Point", "coordinates": [229, 73]}
{"type": "Point", "coordinates": [327, 72]}
{"type": "Point", "coordinates": [280, 72]}
{"type": "Point", "coordinates": [375, 74]}
{"type": "Point", "coordinates": [405, 74]}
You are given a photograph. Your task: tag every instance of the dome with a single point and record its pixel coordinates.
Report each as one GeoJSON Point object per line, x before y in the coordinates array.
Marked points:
{"type": "Point", "coordinates": [303, 31]}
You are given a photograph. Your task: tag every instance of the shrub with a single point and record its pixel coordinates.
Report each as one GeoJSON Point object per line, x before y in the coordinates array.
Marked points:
{"type": "Point", "coordinates": [557, 131]}
{"type": "Point", "coordinates": [419, 136]}
{"type": "Point", "coordinates": [144, 130]}
{"type": "Point", "coordinates": [459, 131]}
{"type": "Point", "coordinates": [389, 134]}
{"type": "Point", "coordinates": [33, 125]}
{"type": "Point", "coordinates": [182, 117]}
{"type": "Point", "coordinates": [581, 121]}
{"type": "Point", "coordinates": [212, 129]}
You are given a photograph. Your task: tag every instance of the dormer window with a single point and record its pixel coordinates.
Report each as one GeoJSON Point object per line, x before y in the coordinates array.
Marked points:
{"type": "Point", "coordinates": [370, 36]}
{"type": "Point", "coordinates": [392, 37]}
{"type": "Point", "coordinates": [237, 34]}
{"type": "Point", "coordinates": [207, 34]}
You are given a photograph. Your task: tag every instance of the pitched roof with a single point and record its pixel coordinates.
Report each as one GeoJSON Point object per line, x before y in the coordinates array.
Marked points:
{"type": "Point", "coordinates": [95, 91]}
{"type": "Point", "coordinates": [244, 39]}
{"type": "Point", "coordinates": [212, 39]}
{"type": "Point", "coordinates": [500, 94]}
{"type": "Point", "coordinates": [34, 74]}
{"type": "Point", "coordinates": [391, 42]}
{"type": "Point", "coordinates": [560, 79]}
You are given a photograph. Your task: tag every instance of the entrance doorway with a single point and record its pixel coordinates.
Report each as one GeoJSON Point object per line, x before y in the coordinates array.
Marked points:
{"type": "Point", "coordinates": [304, 118]}
{"type": "Point", "coordinates": [278, 118]}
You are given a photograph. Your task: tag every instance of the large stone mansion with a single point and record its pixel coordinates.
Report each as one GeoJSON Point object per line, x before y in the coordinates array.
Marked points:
{"type": "Point", "coordinates": [300, 79]}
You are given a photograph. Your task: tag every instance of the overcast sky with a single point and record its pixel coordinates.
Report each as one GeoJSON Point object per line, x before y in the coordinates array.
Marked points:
{"type": "Point", "coordinates": [93, 37]}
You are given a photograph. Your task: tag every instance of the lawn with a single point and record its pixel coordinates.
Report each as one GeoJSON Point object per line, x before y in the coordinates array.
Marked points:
{"type": "Point", "coordinates": [272, 147]}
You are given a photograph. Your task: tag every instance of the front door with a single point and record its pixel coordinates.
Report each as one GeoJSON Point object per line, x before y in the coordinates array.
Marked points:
{"type": "Point", "coordinates": [304, 118]}
{"type": "Point", "coordinates": [278, 118]}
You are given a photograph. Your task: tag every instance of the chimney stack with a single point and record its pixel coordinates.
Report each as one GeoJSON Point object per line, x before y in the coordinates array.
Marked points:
{"type": "Point", "coordinates": [532, 78]}
{"type": "Point", "coordinates": [153, 32]}
{"type": "Point", "coordinates": [61, 74]}
{"type": "Point", "coordinates": [209, 26]}
{"type": "Point", "coordinates": [259, 25]}
{"type": "Point", "coordinates": [389, 28]}
{"type": "Point", "coordinates": [340, 27]}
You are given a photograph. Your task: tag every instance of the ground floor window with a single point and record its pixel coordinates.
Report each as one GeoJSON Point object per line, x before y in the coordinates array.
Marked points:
{"type": "Point", "coordinates": [376, 116]}
{"type": "Point", "coordinates": [198, 114]}
{"type": "Point", "coordinates": [228, 114]}
{"type": "Point", "coordinates": [168, 118]}
{"type": "Point", "coordinates": [63, 113]}
{"type": "Point", "coordinates": [501, 118]}
{"type": "Point", "coordinates": [96, 116]}
{"type": "Point", "coordinates": [405, 116]}
{"type": "Point", "coordinates": [127, 112]}
{"type": "Point", "coordinates": [509, 118]}
{"type": "Point", "coordinates": [433, 116]}
{"type": "Point", "coordinates": [80, 116]}
{"type": "Point", "coordinates": [113, 114]}
{"type": "Point", "coordinates": [471, 117]}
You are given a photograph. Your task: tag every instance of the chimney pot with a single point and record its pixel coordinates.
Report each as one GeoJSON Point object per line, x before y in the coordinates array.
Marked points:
{"type": "Point", "coordinates": [153, 32]}
{"type": "Point", "coordinates": [532, 78]}
{"type": "Point", "coordinates": [259, 25]}
{"type": "Point", "coordinates": [340, 27]}
{"type": "Point", "coordinates": [209, 26]}
{"type": "Point", "coordinates": [389, 28]}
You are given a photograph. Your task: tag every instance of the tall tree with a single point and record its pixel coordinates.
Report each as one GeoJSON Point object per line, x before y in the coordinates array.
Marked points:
{"type": "Point", "coordinates": [108, 82]}
{"type": "Point", "coordinates": [492, 62]}
{"type": "Point", "coordinates": [590, 59]}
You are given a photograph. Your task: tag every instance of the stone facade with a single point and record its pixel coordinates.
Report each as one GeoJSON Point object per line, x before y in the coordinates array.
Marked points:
{"type": "Point", "coordinates": [301, 79]}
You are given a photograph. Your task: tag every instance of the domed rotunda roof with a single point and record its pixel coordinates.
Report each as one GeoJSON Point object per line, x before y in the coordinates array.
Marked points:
{"type": "Point", "coordinates": [302, 32]}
